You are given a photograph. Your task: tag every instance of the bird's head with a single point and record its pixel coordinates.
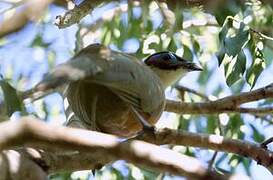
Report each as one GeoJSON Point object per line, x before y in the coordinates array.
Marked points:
{"type": "Point", "coordinates": [170, 67]}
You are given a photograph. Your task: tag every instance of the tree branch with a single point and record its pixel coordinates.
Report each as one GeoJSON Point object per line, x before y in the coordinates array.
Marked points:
{"type": "Point", "coordinates": [224, 105]}
{"type": "Point", "coordinates": [184, 88]}
{"type": "Point", "coordinates": [30, 132]}
{"type": "Point", "coordinates": [74, 15]}
{"type": "Point", "coordinates": [32, 10]}
{"type": "Point", "coordinates": [215, 142]}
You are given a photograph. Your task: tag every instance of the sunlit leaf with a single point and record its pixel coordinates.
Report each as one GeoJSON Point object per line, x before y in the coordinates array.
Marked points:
{"type": "Point", "coordinates": [189, 152]}
{"type": "Point", "coordinates": [187, 54]}
{"type": "Point", "coordinates": [252, 74]}
{"type": "Point", "coordinates": [196, 46]}
{"type": "Point", "coordinates": [237, 69]}
{"type": "Point", "coordinates": [235, 42]}
{"type": "Point", "coordinates": [172, 46]}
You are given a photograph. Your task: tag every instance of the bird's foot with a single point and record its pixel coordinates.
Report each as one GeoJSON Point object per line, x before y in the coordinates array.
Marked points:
{"type": "Point", "coordinates": [147, 133]}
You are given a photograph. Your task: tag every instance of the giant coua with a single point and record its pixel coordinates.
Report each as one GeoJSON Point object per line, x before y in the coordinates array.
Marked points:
{"type": "Point", "coordinates": [114, 92]}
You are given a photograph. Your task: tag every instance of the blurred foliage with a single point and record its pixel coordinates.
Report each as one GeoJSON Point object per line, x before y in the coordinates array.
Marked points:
{"type": "Point", "coordinates": [12, 101]}
{"type": "Point", "coordinates": [231, 41]}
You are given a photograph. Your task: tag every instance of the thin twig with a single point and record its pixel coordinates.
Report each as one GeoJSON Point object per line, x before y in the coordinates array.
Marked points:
{"type": "Point", "coordinates": [184, 88]}
{"type": "Point", "coordinates": [74, 15]}
{"type": "Point", "coordinates": [211, 162]}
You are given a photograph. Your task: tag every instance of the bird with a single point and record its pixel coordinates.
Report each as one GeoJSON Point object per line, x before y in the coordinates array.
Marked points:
{"type": "Point", "coordinates": [114, 92]}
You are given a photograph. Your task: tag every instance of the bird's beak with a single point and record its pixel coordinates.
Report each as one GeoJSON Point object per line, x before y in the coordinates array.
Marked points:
{"type": "Point", "coordinates": [191, 66]}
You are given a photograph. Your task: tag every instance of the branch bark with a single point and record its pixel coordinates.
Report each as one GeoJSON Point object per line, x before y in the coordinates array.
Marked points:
{"type": "Point", "coordinates": [32, 10]}
{"type": "Point", "coordinates": [229, 104]}
{"type": "Point", "coordinates": [29, 132]}
{"type": "Point", "coordinates": [215, 142]}
{"type": "Point", "coordinates": [99, 148]}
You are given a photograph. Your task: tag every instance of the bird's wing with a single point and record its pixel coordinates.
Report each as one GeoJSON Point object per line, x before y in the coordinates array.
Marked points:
{"type": "Point", "coordinates": [126, 76]}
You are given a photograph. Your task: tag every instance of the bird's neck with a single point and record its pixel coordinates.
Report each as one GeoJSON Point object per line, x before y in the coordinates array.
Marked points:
{"type": "Point", "coordinates": [168, 77]}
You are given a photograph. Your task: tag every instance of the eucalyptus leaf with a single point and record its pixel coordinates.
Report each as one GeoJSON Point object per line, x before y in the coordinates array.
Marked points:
{"type": "Point", "coordinates": [237, 69]}
{"type": "Point", "coordinates": [12, 101]}
{"type": "Point", "coordinates": [187, 53]}
{"type": "Point", "coordinates": [236, 41]}
{"type": "Point", "coordinates": [257, 136]}
{"type": "Point", "coordinates": [252, 74]}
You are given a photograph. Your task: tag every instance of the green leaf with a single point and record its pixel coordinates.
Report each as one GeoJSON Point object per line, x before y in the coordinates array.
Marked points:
{"type": "Point", "coordinates": [237, 69]}
{"type": "Point", "coordinates": [189, 152]}
{"type": "Point", "coordinates": [187, 54]}
{"type": "Point", "coordinates": [79, 40]}
{"type": "Point", "coordinates": [211, 124]}
{"type": "Point", "coordinates": [241, 63]}
{"type": "Point", "coordinates": [222, 34]}
{"type": "Point", "coordinates": [149, 174]}
{"type": "Point", "coordinates": [220, 55]}
{"type": "Point", "coordinates": [179, 18]}
{"type": "Point", "coordinates": [234, 42]}
{"type": "Point", "coordinates": [256, 68]}
{"type": "Point", "coordinates": [39, 42]}
{"type": "Point", "coordinates": [246, 163]}
{"type": "Point", "coordinates": [117, 173]}
{"type": "Point", "coordinates": [234, 124]}
{"type": "Point", "coordinates": [183, 123]}
{"type": "Point", "coordinates": [196, 46]}
{"type": "Point", "coordinates": [257, 136]}
{"type": "Point", "coordinates": [234, 160]}
{"type": "Point", "coordinates": [224, 30]}
{"type": "Point", "coordinates": [172, 46]}
{"type": "Point", "coordinates": [204, 75]}
{"type": "Point", "coordinates": [12, 101]}
{"type": "Point", "coordinates": [51, 59]}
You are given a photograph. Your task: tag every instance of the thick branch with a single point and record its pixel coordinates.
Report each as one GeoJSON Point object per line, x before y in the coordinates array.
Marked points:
{"type": "Point", "coordinates": [215, 142]}
{"type": "Point", "coordinates": [15, 165]}
{"type": "Point", "coordinates": [34, 133]}
{"type": "Point", "coordinates": [32, 10]}
{"type": "Point", "coordinates": [224, 105]}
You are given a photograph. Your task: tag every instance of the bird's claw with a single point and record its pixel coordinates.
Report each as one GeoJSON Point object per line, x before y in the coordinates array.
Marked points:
{"type": "Point", "coordinates": [147, 133]}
